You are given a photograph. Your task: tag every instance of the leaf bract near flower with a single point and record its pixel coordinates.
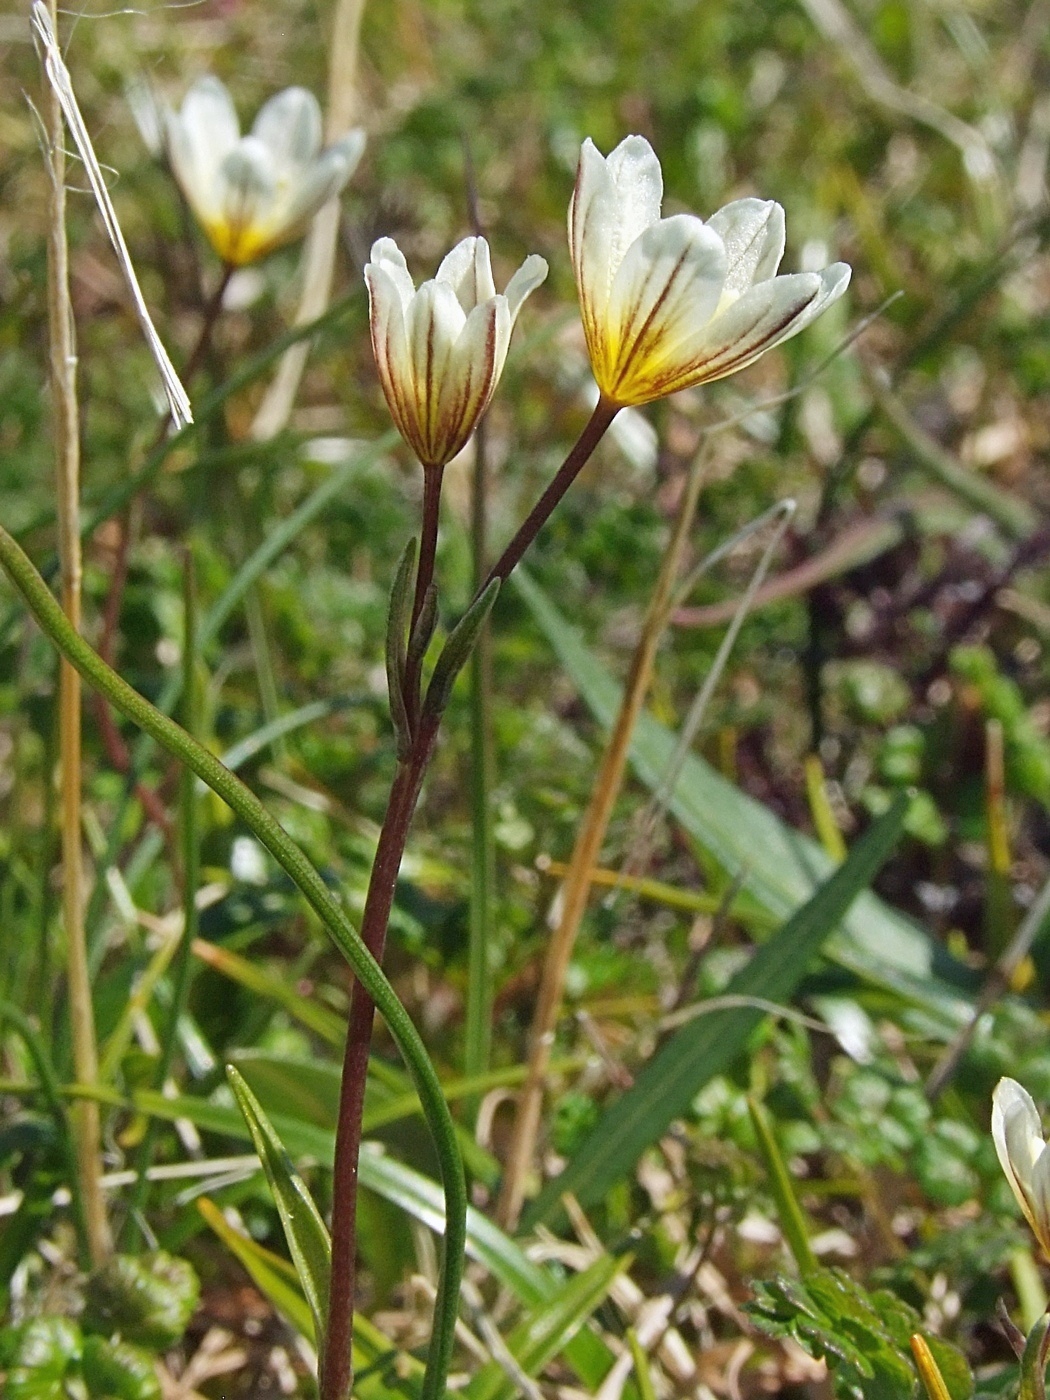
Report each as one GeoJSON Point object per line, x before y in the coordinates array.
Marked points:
{"type": "Point", "coordinates": [670, 303]}
{"type": "Point", "coordinates": [253, 193]}
{"type": "Point", "coordinates": [1017, 1132]}
{"type": "Point", "coordinates": [441, 350]}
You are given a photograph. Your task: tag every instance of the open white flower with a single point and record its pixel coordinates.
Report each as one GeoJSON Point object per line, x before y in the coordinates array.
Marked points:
{"type": "Point", "coordinates": [441, 350]}
{"type": "Point", "coordinates": [252, 193]}
{"type": "Point", "coordinates": [1018, 1135]}
{"type": "Point", "coordinates": [669, 303]}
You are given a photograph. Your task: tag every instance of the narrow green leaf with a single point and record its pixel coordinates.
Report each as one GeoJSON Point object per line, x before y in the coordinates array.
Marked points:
{"type": "Point", "coordinates": [641, 1366]}
{"type": "Point", "coordinates": [778, 866]}
{"type": "Point", "coordinates": [789, 1212]}
{"type": "Point", "coordinates": [380, 1370]}
{"type": "Point", "coordinates": [396, 630]}
{"type": "Point", "coordinates": [457, 649]}
{"type": "Point", "coordinates": [548, 1329]}
{"type": "Point", "coordinates": [707, 1045]}
{"type": "Point", "coordinates": [305, 1231]}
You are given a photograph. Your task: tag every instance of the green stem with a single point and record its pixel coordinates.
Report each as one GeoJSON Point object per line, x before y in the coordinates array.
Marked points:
{"type": "Point", "coordinates": [789, 1212]}
{"type": "Point", "coordinates": [295, 864]}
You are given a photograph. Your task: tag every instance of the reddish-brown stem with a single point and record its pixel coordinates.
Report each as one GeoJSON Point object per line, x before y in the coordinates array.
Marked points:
{"type": "Point", "coordinates": [336, 1368]}
{"type": "Point", "coordinates": [212, 307]}
{"type": "Point", "coordinates": [428, 540]}
{"type": "Point", "coordinates": [605, 411]}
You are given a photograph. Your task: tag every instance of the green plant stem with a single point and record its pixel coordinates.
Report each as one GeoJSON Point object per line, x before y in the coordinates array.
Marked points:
{"type": "Point", "coordinates": [483, 849]}
{"type": "Point", "coordinates": [181, 964]}
{"type": "Point", "coordinates": [789, 1212]}
{"type": "Point", "coordinates": [86, 1123]}
{"type": "Point", "coordinates": [174, 739]}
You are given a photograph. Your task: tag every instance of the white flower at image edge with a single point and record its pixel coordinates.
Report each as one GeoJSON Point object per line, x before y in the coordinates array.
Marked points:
{"type": "Point", "coordinates": [669, 303]}
{"type": "Point", "coordinates": [252, 193]}
{"type": "Point", "coordinates": [1018, 1136]}
{"type": "Point", "coordinates": [440, 350]}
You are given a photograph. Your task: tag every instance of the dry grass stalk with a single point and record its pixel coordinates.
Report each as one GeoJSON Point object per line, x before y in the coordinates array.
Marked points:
{"type": "Point", "coordinates": [577, 888]}
{"type": "Point", "coordinates": [319, 255]}
{"type": "Point", "coordinates": [84, 1114]}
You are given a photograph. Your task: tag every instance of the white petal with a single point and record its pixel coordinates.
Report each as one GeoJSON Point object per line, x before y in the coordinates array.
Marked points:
{"type": "Point", "coordinates": [1018, 1136]}
{"type": "Point", "coordinates": [290, 125]}
{"type": "Point", "coordinates": [387, 255]}
{"type": "Point", "coordinates": [349, 148]}
{"type": "Point", "coordinates": [1017, 1130]}
{"type": "Point", "coordinates": [833, 282]}
{"type": "Point", "coordinates": [667, 288]}
{"type": "Point", "coordinates": [248, 177]}
{"type": "Point", "coordinates": [200, 136]}
{"type": "Point", "coordinates": [613, 202]}
{"type": "Point", "coordinates": [468, 270]}
{"type": "Point", "coordinates": [528, 277]}
{"type": "Point", "coordinates": [319, 183]}
{"type": "Point", "coordinates": [433, 323]}
{"type": "Point", "coordinates": [753, 232]}
{"type": "Point", "coordinates": [390, 345]}
{"type": "Point", "coordinates": [477, 362]}
{"type": "Point", "coordinates": [765, 315]}
{"type": "Point", "coordinates": [1039, 1196]}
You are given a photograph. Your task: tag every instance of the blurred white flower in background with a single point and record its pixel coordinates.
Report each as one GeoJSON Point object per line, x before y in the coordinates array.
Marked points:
{"type": "Point", "coordinates": [670, 303]}
{"type": "Point", "coordinates": [441, 350]}
{"type": "Point", "coordinates": [253, 193]}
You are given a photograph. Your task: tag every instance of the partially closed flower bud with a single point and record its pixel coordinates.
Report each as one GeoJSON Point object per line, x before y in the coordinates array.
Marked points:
{"type": "Point", "coordinates": [252, 193]}
{"type": "Point", "coordinates": [669, 303]}
{"type": "Point", "coordinates": [1018, 1136]}
{"type": "Point", "coordinates": [441, 350]}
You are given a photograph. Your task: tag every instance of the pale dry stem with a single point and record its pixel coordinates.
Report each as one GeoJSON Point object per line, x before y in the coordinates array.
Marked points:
{"type": "Point", "coordinates": [577, 887]}
{"type": "Point", "coordinates": [85, 1114]}
{"type": "Point", "coordinates": [319, 255]}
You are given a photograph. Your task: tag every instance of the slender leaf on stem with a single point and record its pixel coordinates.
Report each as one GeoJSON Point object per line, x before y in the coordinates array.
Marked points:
{"type": "Point", "coordinates": [457, 649]}
{"type": "Point", "coordinates": [396, 633]}
{"type": "Point", "coordinates": [705, 1047]}
{"type": "Point", "coordinates": [305, 1231]}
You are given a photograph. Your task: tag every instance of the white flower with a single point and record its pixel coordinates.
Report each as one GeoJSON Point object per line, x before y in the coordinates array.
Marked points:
{"type": "Point", "coordinates": [253, 193]}
{"type": "Point", "coordinates": [669, 303]}
{"type": "Point", "coordinates": [441, 350]}
{"type": "Point", "coordinates": [1018, 1136]}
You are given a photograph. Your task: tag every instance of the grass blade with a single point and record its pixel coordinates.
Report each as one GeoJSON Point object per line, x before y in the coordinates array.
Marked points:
{"type": "Point", "coordinates": [779, 867]}
{"type": "Point", "coordinates": [705, 1047]}
{"type": "Point", "coordinates": [549, 1329]}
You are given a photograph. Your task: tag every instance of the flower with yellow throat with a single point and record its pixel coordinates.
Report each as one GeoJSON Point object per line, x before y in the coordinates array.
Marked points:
{"type": "Point", "coordinates": [253, 193]}
{"type": "Point", "coordinates": [670, 303]}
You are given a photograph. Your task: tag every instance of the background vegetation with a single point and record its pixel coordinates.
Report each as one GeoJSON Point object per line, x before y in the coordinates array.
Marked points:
{"type": "Point", "coordinates": [905, 649]}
